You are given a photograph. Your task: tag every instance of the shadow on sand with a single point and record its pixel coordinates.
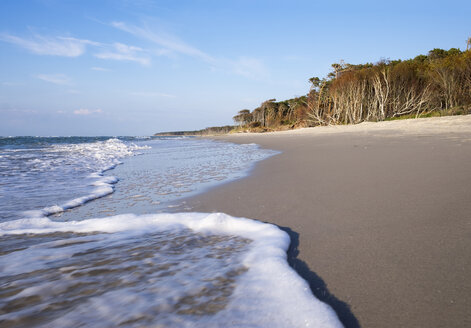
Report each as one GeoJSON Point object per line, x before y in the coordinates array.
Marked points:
{"type": "Point", "coordinates": [318, 286]}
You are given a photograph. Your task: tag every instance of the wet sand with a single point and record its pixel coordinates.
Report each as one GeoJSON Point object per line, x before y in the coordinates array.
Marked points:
{"type": "Point", "coordinates": [379, 215]}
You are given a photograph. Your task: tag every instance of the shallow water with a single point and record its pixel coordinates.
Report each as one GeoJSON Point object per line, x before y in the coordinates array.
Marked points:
{"type": "Point", "coordinates": [171, 170]}
{"type": "Point", "coordinates": [160, 270]}
{"type": "Point", "coordinates": [42, 176]}
{"type": "Point", "coordinates": [79, 279]}
{"type": "Point", "coordinates": [76, 251]}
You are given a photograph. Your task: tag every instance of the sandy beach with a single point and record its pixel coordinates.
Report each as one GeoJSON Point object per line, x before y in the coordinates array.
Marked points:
{"type": "Point", "coordinates": [379, 215]}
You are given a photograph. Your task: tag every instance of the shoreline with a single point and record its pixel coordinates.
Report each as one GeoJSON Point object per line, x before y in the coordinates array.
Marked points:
{"type": "Point", "coordinates": [378, 214]}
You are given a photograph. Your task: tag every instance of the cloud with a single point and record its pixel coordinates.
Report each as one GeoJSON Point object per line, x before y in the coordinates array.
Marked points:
{"type": "Point", "coordinates": [151, 94]}
{"type": "Point", "coordinates": [53, 46]}
{"type": "Point", "coordinates": [84, 111]}
{"type": "Point", "coordinates": [11, 84]}
{"type": "Point", "coordinates": [249, 67]}
{"type": "Point", "coordinates": [124, 52]}
{"type": "Point", "coordinates": [60, 79]}
{"type": "Point", "coordinates": [100, 69]}
{"type": "Point", "coordinates": [73, 47]}
{"type": "Point", "coordinates": [169, 43]}
{"type": "Point", "coordinates": [245, 66]}
{"type": "Point", "coordinates": [16, 110]}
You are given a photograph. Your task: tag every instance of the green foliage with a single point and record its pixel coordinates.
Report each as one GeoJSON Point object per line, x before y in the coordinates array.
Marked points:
{"type": "Point", "coordinates": [454, 52]}
{"type": "Point", "coordinates": [243, 117]}
{"type": "Point", "coordinates": [437, 53]}
{"type": "Point", "coordinates": [315, 81]}
{"type": "Point", "coordinates": [420, 58]}
{"type": "Point", "coordinates": [435, 84]}
{"type": "Point", "coordinates": [427, 85]}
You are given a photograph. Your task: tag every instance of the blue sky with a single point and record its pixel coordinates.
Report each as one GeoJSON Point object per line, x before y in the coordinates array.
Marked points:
{"type": "Point", "coordinates": [136, 67]}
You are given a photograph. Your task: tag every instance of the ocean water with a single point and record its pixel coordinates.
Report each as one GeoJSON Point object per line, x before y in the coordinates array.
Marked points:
{"type": "Point", "coordinates": [94, 232]}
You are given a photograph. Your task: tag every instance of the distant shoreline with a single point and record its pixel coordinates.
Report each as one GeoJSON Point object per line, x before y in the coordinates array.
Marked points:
{"type": "Point", "coordinates": [219, 130]}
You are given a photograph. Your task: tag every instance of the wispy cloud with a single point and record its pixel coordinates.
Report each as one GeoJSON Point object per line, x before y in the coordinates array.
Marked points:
{"type": "Point", "coordinates": [11, 84]}
{"type": "Point", "coordinates": [245, 66]}
{"type": "Point", "coordinates": [100, 69]}
{"type": "Point", "coordinates": [249, 67]}
{"type": "Point", "coordinates": [169, 43]}
{"type": "Point", "coordinates": [124, 52]}
{"type": "Point", "coordinates": [151, 94]}
{"type": "Point", "coordinates": [60, 79]}
{"type": "Point", "coordinates": [53, 46]}
{"type": "Point", "coordinates": [16, 110]}
{"type": "Point", "coordinates": [73, 47]}
{"type": "Point", "coordinates": [84, 111]}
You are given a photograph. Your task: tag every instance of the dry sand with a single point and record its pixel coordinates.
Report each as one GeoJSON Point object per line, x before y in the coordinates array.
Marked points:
{"type": "Point", "coordinates": [379, 215]}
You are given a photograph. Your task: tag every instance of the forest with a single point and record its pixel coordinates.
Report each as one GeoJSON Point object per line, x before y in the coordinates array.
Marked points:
{"type": "Point", "coordinates": [435, 84]}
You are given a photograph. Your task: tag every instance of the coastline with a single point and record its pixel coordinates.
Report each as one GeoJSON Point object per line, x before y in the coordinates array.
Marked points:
{"type": "Point", "coordinates": [378, 215]}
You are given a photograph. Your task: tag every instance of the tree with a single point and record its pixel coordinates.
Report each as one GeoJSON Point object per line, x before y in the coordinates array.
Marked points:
{"type": "Point", "coordinates": [453, 52]}
{"type": "Point", "coordinates": [269, 110]}
{"type": "Point", "coordinates": [315, 83]}
{"type": "Point", "coordinates": [437, 53]}
{"type": "Point", "coordinates": [421, 58]}
{"type": "Point", "coordinates": [439, 81]}
{"type": "Point", "coordinates": [243, 117]}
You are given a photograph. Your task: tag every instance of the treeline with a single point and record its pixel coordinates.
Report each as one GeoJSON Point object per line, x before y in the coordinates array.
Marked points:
{"type": "Point", "coordinates": [438, 83]}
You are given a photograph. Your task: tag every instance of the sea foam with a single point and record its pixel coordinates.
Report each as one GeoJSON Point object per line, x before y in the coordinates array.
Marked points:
{"type": "Point", "coordinates": [267, 293]}
{"type": "Point", "coordinates": [51, 178]}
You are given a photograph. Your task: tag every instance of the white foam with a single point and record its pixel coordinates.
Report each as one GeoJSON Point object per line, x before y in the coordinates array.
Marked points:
{"type": "Point", "coordinates": [99, 156]}
{"type": "Point", "coordinates": [269, 294]}
{"type": "Point", "coordinates": [102, 188]}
